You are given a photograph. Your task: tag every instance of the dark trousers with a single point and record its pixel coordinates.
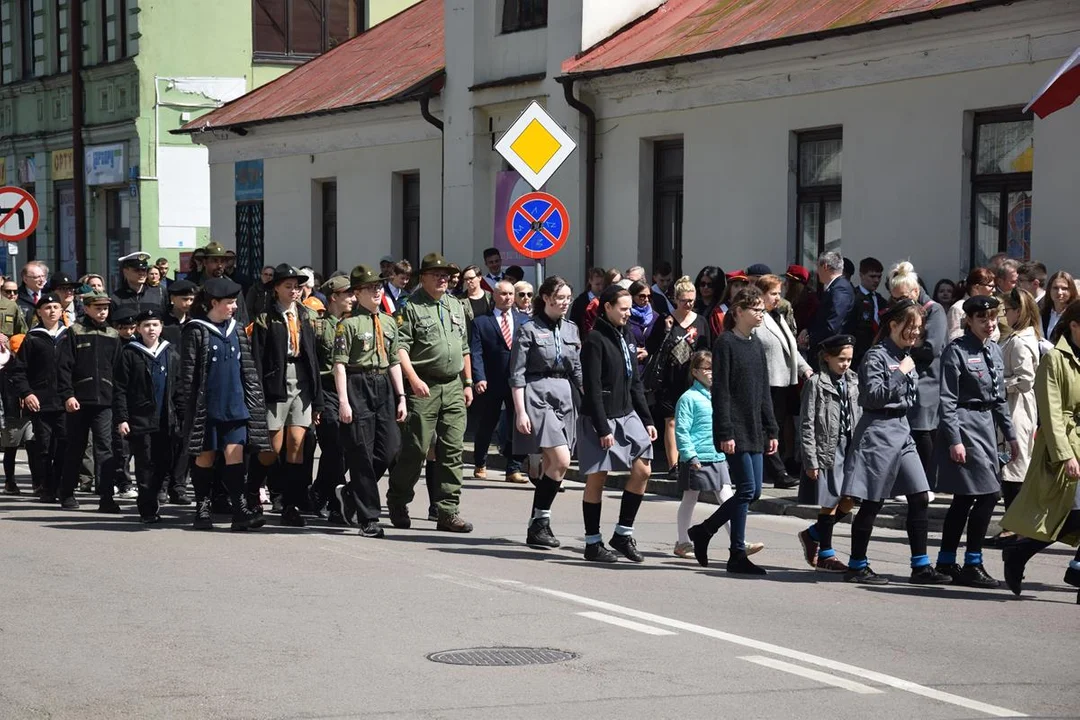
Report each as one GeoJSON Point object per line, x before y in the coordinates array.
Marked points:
{"type": "Point", "coordinates": [153, 458]}
{"type": "Point", "coordinates": [332, 462]}
{"type": "Point", "coordinates": [775, 470]}
{"type": "Point", "coordinates": [746, 471]}
{"type": "Point", "coordinates": [924, 444]}
{"type": "Point", "coordinates": [495, 405]}
{"type": "Point", "coordinates": [95, 421]}
{"type": "Point", "coordinates": [372, 441]}
{"type": "Point", "coordinates": [121, 453]}
{"type": "Point", "coordinates": [50, 440]}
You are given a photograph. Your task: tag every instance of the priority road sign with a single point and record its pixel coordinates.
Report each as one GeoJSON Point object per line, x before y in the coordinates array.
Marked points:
{"type": "Point", "coordinates": [19, 214]}
{"type": "Point", "coordinates": [537, 225]}
{"type": "Point", "coordinates": [535, 146]}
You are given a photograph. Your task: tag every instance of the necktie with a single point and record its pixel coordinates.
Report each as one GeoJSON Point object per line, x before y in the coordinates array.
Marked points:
{"type": "Point", "coordinates": [37, 296]}
{"type": "Point", "coordinates": [845, 409]}
{"type": "Point", "coordinates": [380, 342]}
{"type": "Point", "coordinates": [626, 357]}
{"type": "Point", "coordinates": [504, 321]}
{"type": "Point", "coordinates": [294, 333]}
{"type": "Point", "coordinates": [558, 344]}
{"type": "Point", "coordinates": [992, 371]}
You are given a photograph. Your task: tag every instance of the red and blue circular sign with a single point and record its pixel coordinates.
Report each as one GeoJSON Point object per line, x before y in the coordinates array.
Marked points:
{"type": "Point", "coordinates": [537, 225]}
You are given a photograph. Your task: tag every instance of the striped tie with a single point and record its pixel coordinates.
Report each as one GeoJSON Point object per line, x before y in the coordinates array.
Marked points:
{"type": "Point", "coordinates": [504, 322]}
{"type": "Point", "coordinates": [989, 359]}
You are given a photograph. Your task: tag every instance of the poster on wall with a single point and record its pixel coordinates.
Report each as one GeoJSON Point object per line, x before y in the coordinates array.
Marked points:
{"type": "Point", "coordinates": [509, 186]}
{"type": "Point", "coordinates": [65, 229]}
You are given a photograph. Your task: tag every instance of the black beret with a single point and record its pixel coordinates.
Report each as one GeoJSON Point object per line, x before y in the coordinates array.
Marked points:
{"type": "Point", "coordinates": [834, 343]}
{"type": "Point", "coordinates": [220, 288]}
{"type": "Point", "coordinates": [123, 316]}
{"type": "Point", "coordinates": [48, 298]}
{"type": "Point", "coordinates": [149, 314]}
{"type": "Point", "coordinates": [759, 269]}
{"type": "Point", "coordinates": [182, 287]}
{"type": "Point", "coordinates": [980, 303]}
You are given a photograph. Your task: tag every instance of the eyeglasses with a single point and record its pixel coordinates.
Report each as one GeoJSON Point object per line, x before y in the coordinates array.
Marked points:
{"type": "Point", "coordinates": [757, 310]}
{"type": "Point", "coordinates": [644, 295]}
{"type": "Point", "coordinates": [704, 284]}
{"type": "Point", "coordinates": [524, 294]}
{"type": "Point", "coordinates": [11, 292]}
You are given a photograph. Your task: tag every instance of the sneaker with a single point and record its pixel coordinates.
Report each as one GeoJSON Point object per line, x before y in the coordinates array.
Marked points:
{"type": "Point", "coordinates": [596, 552]}
{"type": "Point", "coordinates": [336, 518]}
{"type": "Point", "coordinates": [540, 534]}
{"type": "Point", "coordinates": [179, 497]}
{"type": "Point", "coordinates": [626, 545]}
{"type": "Point", "coordinates": [162, 496]}
{"type": "Point", "coordinates": [347, 503]}
{"type": "Point", "coordinates": [69, 503]}
{"type": "Point", "coordinates": [10, 488]}
{"type": "Point", "coordinates": [453, 523]}
{"type": "Point", "coordinates": [754, 548]}
{"type": "Point", "coordinates": [830, 565]}
{"type": "Point", "coordinates": [291, 517]}
{"type": "Point", "coordinates": [479, 472]}
{"type": "Point", "coordinates": [108, 505]}
{"type": "Point", "coordinates": [975, 576]}
{"type": "Point", "coordinates": [864, 576]}
{"type": "Point", "coordinates": [128, 493]}
{"type": "Point", "coordinates": [739, 564]}
{"type": "Point", "coordinates": [700, 537]}
{"type": "Point", "coordinates": [684, 550]}
{"type": "Point", "coordinates": [86, 486]}
{"type": "Point", "coordinates": [950, 569]}
{"type": "Point", "coordinates": [809, 547]}
{"type": "Point", "coordinates": [673, 473]}
{"type": "Point", "coordinates": [276, 505]}
{"type": "Point", "coordinates": [399, 516]}
{"type": "Point", "coordinates": [372, 529]}
{"type": "Point", "coordinates": [926, 575]}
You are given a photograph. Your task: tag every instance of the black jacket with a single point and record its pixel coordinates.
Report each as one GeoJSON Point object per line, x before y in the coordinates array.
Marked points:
{"type": "Point", "coordinates": [577, 310]}
{"type": "Point", "coordinates": [190, 398]}
{"type": "Point", "coordinates": [25, 302]}
{"type": "Point", "coordinates": [88, 358]}
{"type": "Point", "coordinates": [608, 392]}
{"type": "Point", "coordinates": [150, 297]}
{"type": "Point", "coordinates": [270, 345]}
{"type": "Point", "coordinates": [35, 368]}
{"type": "Point", "coordinates": [862, 322]}
{"type": "Point", "coordinates": [832, 314]}
{"type": "Point", "coordinates": [171, 329]}
{"type": "Point", "coordinates": [133, 398]}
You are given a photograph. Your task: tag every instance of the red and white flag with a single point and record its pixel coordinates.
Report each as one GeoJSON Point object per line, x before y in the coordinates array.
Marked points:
{"type": "Point", "coordinates": [1060, 91]}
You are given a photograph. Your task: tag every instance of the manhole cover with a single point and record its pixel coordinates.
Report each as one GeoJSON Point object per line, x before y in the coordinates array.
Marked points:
{"type": "Point", "coordinates": [501, 656]}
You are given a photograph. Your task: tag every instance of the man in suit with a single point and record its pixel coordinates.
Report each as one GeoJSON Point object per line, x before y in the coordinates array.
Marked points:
{"type": "Point", "coordinates": [866, 310]}
{"type": "Point", "coordinates": [492, 338]}
{"type": "Point", "coordinates": [34, 276]}
{"type": "Point", "coordinates": [837, 298]}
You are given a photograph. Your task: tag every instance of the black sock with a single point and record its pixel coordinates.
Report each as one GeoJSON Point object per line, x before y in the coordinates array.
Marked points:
{"type": "Point", "coordinates": [544, 495]}
{"type": "Point", "coordinates": [294, 481]}
{"type": "Point", "coordinates": [590, 512]}
{"type": "Point", "coordinates": [862, 527]}
{"type": "Point", "coordinates": [1009, 491]}
{"type": "Point", "coordinates": [628, 508]}
{"type": "Point", "coordinates": [979, 521]}
{"type": "Point", "coordinates": [201, 478]}
{"type": "Point", "coordinates": [918, 522]}
{"type": "Point", "coordinates": [825, 523]}
{"type": "Point", "coordinates": [955, 519]}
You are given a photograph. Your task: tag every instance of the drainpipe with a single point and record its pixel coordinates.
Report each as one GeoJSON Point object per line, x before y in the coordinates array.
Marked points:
{"type": "Point", "coordinates": [78, 153]}
{"type": "Point", "coordinates": [425, 111]}
{"type": "Point", "coordinates": [590, 167]}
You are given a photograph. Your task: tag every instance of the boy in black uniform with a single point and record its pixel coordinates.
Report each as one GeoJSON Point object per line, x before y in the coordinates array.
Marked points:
{"type": "Point", "coordinates": [122, 318]}
{"type": "Point", "coordinates": [865, 317]}
{"type": "Point", "coordinates": [87, 359]}
{"type": "Point", "coordinates": [144, 410]}
{"type": "Point", "coordinates": [181, 299]}
{"type": "Point", "coordinates": [34, 379]}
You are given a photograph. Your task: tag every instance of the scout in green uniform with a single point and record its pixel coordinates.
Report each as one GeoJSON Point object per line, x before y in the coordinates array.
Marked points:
{"type": "Point", "coordinates": [12, 320]}
{"type": "Point", "coordinates": [434, 354]}
{"type": "Point", "coordinates": [339, 301]}
{"type": "Point", "coordinates": [367, 373]}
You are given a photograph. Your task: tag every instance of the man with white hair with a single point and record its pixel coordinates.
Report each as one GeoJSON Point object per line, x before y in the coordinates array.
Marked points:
{"type": "Point", "coordinates": [34, 276]}
{"type": "Point", "coordinates": [634, 274]}
{"type": "Point", "coordinates": [837, 298]}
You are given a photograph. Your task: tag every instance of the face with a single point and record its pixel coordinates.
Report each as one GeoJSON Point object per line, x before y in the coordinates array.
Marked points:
{"type": "Point", "coordinates": [401, 280]}
{"type": "Point", "coordinates": [34, 277]}
{"type": "Point", "coordinates": [66, 294]}
{"type": "Point", "coordinates": [10, 290]}
{"type": "Point", "coordinates": [643, 298]}
{"type": "Point", "coordinates": [557, 304]}
{"type": "Point", "coordinates": [982, 323]}
{"type": "Point", "coordinates": [266, 275]}
{"type": "Point", "coordinates": [98, 311]}
{"type": "Point", "coordinates": [1012, 315]}
{"type": "Point", "coordinates": [215, 266]}
{"type": "Point", "coordinates": [126, 332]}
{"type": "Point", "coordinates": [503, 296]}
{"type": "Point", "coordinates": [369, 296]}
{"type": "Point", "coordinates": [751, 317]}
{"type": "Point", "coordinates": [493, 263]}
{"type": "Point", "coordinates": [135, 276]}
{"type": "Point", "coordinates": [453, 282]}
{"type": "Point", "coordinates": [772, 298]}
{"type": "Point", "coordinates": [900, 293]}
{"type": "Point", "coordinates": [287, 291]}
{"type": "Point", "coordinates": [163, 268]}
{"type": "Point", "coordinates": [1059, 292]}
{"type": "Point", "coordinates": [905, 336]}
{"type": "Point", "coordinates": [945, 294]}
{"type": "Point", "coordinates": [181, 304]}
{"type": "Point", "coordinates": [344, 299]}
{"type": "Point", "coordinates": [435, 282]}
{"type": "Point", "coordinates": [684, 301]}
{"type": "Point", "coordinates": [1028, 285]}
{"type": "Point", "coordinates": [223, 309]}
{"type": "Point", "coordinates": [705, 289]}
{"type": "Point", "coordinates": [153, 276]}
{"type": "Point", "coordinates": [96, 283]}
{"type": "Point", "coordinates": [1074, 330]}
{"type": "Point", "coordinates": [979, 289]}
{"type": "Point", "coordinates": [149, 331]}
{"type": "Point", "coordinates": [703, 374]}
{"type": "Point", "coordinates": [823, 273]}
{"type": "Point", "coordinates": [618, 312]}
{"type": "Point", "coordinates": [384, 268]}
{"type": "Point", "coordinates": [1006, 282]}
{"type": "Point", "coordinates": [635, 276]}
{"type": "Point", "coordinates": [839, 364]}
{"type": "Point", "coordinates": [596, 284]}
{"type": "Point", "coordinates": [471, 278]}
{"type": "Point", "coordinates": [523, 299]}
{"type": "Point", "coordinates": [50, 314]}
{"type": "Point", "coordinates": [870, 280]}
{"type": "Point", "coordinates": [230, 261]}
{"type": "Point", "coordinates": [663, 282]}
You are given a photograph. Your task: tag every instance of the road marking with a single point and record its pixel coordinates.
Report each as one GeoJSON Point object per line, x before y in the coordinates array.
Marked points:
{"type": "Point", "coordinates": [812, 674]}
{"type": "Point", "coordinates": [628, 624]}
{"type": "Point", "coordinates": [863, 673]}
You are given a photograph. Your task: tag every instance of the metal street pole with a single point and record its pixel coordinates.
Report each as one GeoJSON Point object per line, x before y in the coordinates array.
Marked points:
{"type": "Point", "coordinates": [75, 34]}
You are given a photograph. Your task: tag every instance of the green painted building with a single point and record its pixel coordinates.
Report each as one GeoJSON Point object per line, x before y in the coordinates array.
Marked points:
{"type": "Point", "coordinates": [149, 66]}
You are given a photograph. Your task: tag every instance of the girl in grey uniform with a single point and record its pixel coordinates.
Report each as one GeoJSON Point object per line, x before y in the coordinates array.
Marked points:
{"type": "Point", "coordinates": [973, 409]}
{"type": "Point", "coordinates": [545, 380]}
{"type": "Point", "coordinates": [883, 461]}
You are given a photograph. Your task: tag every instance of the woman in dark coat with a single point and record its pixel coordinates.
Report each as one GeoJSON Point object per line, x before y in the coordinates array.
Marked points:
{"type": "Point", "coordinates": [643, 319]}
{"type": "Point", "coordinates": [220, 404]}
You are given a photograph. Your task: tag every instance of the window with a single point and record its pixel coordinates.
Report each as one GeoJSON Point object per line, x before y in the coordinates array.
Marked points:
{"type": "Point", "coordinates": [521, 15]}
{"type": "Point", "coordinates": [61, 26]}
{"type": "Point", "coordinates": [26, 38]}
{"type": "Point", "coordinates": [113, 30]}
{"type": "Point", "coordinates": [329, 228]}
{"type": "Point", "coordinates": [818, 194]}
{"type": "Point", "coordinates": [410, 218]}
{"type": "Point", "coordinates": [667, 203]}
{"type": "Point", "coordinates": [1002, 162]}
{"type": "Point", "coordinates": [302, 28]}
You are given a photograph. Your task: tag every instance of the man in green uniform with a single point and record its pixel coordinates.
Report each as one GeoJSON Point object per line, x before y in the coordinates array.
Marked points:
{"type": "Point", "coordinates": [367, 378]}
{"type": "Point", "coordinates": [12, 320]}
{"type": "Point", "coordinates": [434, 353]}
{"type": "Point", "coordinates": [339, 301]}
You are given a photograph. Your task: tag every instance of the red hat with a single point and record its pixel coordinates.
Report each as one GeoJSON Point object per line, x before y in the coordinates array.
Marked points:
{"type": "Point", "coordinates": [798, 273]}
{"type": "Point", "coordinates": [736, 275]}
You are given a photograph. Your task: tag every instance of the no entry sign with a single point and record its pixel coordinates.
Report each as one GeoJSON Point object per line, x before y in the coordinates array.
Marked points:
{"type": "Point", "coordinates": [19, 214]}
{"type": "Point", "coordinates": [537, 225]}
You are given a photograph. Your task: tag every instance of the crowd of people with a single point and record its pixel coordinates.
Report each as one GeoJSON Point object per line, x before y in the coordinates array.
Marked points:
{"type": "Point", "coordinates": [853, 396]}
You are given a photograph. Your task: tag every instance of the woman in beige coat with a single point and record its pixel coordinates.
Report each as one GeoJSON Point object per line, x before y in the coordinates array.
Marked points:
{"type": "Point", "coordinates": [1021, 355]}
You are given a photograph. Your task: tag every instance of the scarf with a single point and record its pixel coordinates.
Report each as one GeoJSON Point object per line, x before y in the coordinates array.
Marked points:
{"type": "Point", "coordinates": [643, 314]}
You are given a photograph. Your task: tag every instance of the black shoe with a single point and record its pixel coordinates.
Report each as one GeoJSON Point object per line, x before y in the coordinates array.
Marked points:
{"type": "Point", "coordinates": [596, 552]}
{"type": "Point", "coordinates": [865, 576]}
{"type": "Point", "coordinates": [975, 576]}
{"type": "Point", "coordinates": [700, 537]}
{"type": "Point", "coordinates": [69, 503]}
{"type": "Point", "coordinates": [787, 483]}
{"type": "Point", "coordinates": [950, 569]}
{"type": "Point", "coordinates": [291, 517]}
{"type": "Point", "coordinates": [540, 534]}
{"type": "Point", "coordinates": [179, 497]}
{"type": "Point", "coordinates": [336, 518]}
{"type": "Point", "coordinates": [347, 503]}
{"type": "Point", "coordinates": [276, 506]}
{"type": "Point", "coordinates": [626, 546]}
{"type": "Point", "coordinates": [151, 520]}
{"type": "Point", "coordinates": [47, 499]}
{"type": "Point", "coordinates": [221, 506]}
{"type": "Point", "coordinates": [371, 529]}
{"type": "Point", "coordinates": [399, 516]}
{"type": "Point", "coordinates": [108, 505]}
{"type": "Point", "coordinates": [673, 473]}
{"type": "Point", "coordinates": [739, 564]}
{"type": "Point", "coordinates": [241, 520]}
{"type": "Point", "coordinates": [1072, 576]}
{"type": "Point", "coordinates": [10, 488]}
{"type": "Point", "coordinates": [204, 519]}
{"type": "Point", "coordinates": [927, 575]}
{"type": "Point", "coordinates": [1015, 560]}
{"type": "Point", "coordinates": [433, 513]}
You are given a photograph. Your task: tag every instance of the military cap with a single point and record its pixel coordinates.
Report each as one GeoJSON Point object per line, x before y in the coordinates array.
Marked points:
{"type": "Point", "coordinates": [214, 249]}
{"type": "Point", "coordinates": [95, 296]}
{"type": "Point", "coordinates": [220, 288]}
{"type": "Point", "coordinates": [123, 316]}
{"type": "Point", "coordinates": [182, 287]}
{"type": "Point", "coordinates": [980, 303]}
{"type": "Point", "coordinates": [339, 283]}
{"type": "Point", "coordinates": [149, 314]}
{"type": "Point", "coordinates": [363, 275]}
{"type": "Point", "coordinates": [896, 308]}
{"type": "Point", "coordinates": [285, 271]}
{"type": "Point", "coordinates": [432, 262]}
{"type": "Point", "coordinates": [759, 269]}
{"type": "Point", "coordinates": [62, 280]}
{"type": "Point", "coordinates": [736, 275]}
{"type": "Point", "coordinates": [135, 261]}
{"type": "Point", "coordinates": [48, 298]}
{"type": "Point", "coordinates": [798, 273]}
{"type": "Point", "coordinates": [834, 343]}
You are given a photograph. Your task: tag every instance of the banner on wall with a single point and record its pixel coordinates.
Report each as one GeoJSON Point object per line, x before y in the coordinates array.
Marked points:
{"type": "Point", "coordinates": [65, 231]}
{"type": "Point", "coordinates": [249, 180]}
{"type": "Point", "coordinates": [105, 165]}
{"type": "Point", "coordinates": [63, 164]}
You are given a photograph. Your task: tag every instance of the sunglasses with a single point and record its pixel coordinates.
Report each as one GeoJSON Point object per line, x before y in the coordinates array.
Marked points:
{"type": "Point", "coordinates": [11, 292]}
{"type": "Point", "coordinates": [524, 294]}
{"type": "Point", "coordinates": [704, 284]}
{"type": "Point", "coordinates": [644, 295]}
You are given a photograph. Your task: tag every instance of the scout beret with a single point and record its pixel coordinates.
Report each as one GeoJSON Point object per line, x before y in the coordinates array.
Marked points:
{"type": "Point", "coordinates": [834, 343]}
{"type": "Point", "coordinates": [759, 269]}
{"type": "Point", "coordinates": [798, 273]}
{"type": "Point", "coordinates": [220, 288]}
{"type": "Point", "coordinates": [363, 275]}
{"type": "Point", "coordinates": [48, 298]}
{"type": "Point", "coordinates": [339, 283]}
{"type": "Point", "coordinates": [123, 316]}
{"type": "Point", "coordinates": [149, 314]}
{"type": "Point", "coordinates": [95, 296]}
{"type": "Point", "coordinates": [182, 287]}
{"type": "Point", "coordinates": [980, 303]}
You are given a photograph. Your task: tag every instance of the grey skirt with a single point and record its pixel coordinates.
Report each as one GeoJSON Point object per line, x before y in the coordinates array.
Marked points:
{"type": "Point", "coordinates": [830, 482]}
{"type": "Point", "coordinates": [981, 472]}
{"type": "Point", "coordinates": [710, 477]}
{"type": "Point", "coordinates": [549, 404]}
{"type": "Point", "coordinates": [882, 461]}
{"type": "Point", "coordinates": [631, 442]}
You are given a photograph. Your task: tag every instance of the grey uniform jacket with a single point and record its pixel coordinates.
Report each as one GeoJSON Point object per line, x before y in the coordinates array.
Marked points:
{"type": "Point", "coordinates": [967, 381]}
{"type": "Point", "coordinates": [534, 353]}
{"type": "Point", "coordinates": [819, 426]}
{"type": "Point", "coordinates": [927, 356]}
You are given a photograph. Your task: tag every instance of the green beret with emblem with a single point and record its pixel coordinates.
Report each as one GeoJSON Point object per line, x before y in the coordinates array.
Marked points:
{"type": "Point", "coordinates": [434, 261]}
{"type": "Point", "coordinates": [363, 275]}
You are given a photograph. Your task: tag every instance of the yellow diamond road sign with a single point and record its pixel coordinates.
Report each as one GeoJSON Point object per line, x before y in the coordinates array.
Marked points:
{"type": "Point", "coordinates": [535, 146]}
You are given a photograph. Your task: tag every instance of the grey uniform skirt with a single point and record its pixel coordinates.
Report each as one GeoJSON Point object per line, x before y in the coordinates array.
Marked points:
{"type": "Point", "coordinates": [631, 442]}
{"type": "Point", "coordinates": [549, 404]}
{"type": "Point", "coordinates": [830, 482]}
{"type": "Point", "coordinates": [981, 472]}
{"type": "Point", "coordinates": [882, 461]}
{"type": "Point", "coordinates": [710, 477]}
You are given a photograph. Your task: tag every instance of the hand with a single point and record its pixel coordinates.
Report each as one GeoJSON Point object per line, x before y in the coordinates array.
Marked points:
{"type": "Point", "coordinates": [72, 405]}
{"type": "Point", "coordinates": [803, 340]}
{"type": "Point", "coordinates": [420, 388]}
{"type": "Point", "coordinates": [468, 396]}
{"type": "Point", "coordinates": [124, 429]}
{"type": "Point", "coordinates": [402, 409]}
{"type": "Point", "coordinates": [727, 447]}
{"type": "Point", "coordinates": [4, 341]}
{"type": "Point", "coordinates": [1014, 450]}
{"type": "Point", "coordinates": [813, 473]}
{"type": "Point", "coordinates": [807, 374]}
{"type": "Point", "coordinates": [669, 321]}
{"type": "Point", "coordinates": [316, 416]}
{"type": "Point", "coordinates": [642, 353]}
{"type": "Point", "coordinates": [523, 424]}
{"type": "Point", "coordinates": [695, 466]}
{"type": "Point", "coordinates": [344, 412]}
{"type": "Point", "coordinates": [32, 403]}
{"type": "Point", "coordinates": [957, 453]}
{"type": "Point", "coordinates": [607, 441]}
{"type": "Point", "coordinates": [651, 429]}
{"type": "Point", "coordinates": [772, 446]}
{"type": "Point", "coordinates": [1072, 468]}
{"type": "Point", "coordinates": [907, 365]}
{"type": "Point", "coordinates": [480, 388]}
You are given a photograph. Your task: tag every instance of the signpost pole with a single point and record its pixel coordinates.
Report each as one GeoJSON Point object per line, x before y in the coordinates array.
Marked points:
{"type": "Point", "coordinates": [541, 267]}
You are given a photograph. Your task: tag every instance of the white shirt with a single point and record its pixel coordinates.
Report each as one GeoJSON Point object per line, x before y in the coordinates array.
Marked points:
{"type": "Point", "coordinates": [294, 351]}
{"type": "Point", "coordinates": [492, 279]}
{"type": "Point", "coordinates": [509, 319]}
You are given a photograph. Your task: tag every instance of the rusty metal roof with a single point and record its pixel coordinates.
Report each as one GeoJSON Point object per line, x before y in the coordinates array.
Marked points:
{"type": "Point", "coordinates": [682, 30]}
{"type": "Point", "coordinates": [394, 61]}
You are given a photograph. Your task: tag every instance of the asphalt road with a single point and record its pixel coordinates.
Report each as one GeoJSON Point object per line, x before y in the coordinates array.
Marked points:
{"type": "Point", "coordinates": [101, 618]}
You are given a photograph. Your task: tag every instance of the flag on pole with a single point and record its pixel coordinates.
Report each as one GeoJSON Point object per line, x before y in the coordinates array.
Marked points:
{"type": "Point", "coordinates": [1060, 91]}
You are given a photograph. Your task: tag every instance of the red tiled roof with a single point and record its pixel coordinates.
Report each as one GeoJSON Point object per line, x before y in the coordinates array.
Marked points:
{"type": "Point", "coordinates": [389, 62]}
{"type": "Point", "coordinates": [682, 29]}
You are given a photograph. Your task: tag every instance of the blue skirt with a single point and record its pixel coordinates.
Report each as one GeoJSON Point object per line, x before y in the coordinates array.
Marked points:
{"type": "Point", "coordinates": [220, 434]}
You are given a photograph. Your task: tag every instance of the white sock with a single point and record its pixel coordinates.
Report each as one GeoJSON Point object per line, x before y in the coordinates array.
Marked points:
{"type": "Point", "coordinates": [686, 513]}
{"type": "Point", "coordinates": [725, 494]}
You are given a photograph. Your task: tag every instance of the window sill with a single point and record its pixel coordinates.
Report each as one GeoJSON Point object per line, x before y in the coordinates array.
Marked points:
{"type": "Point", "coordinates": [262, 58]}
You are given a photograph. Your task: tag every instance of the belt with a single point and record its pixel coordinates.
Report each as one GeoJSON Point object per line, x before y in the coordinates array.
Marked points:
{"type": "Point", "coordinates": [977, 406]}
{"type": "Point", "coordinates": [561, 374]}
{"type": "Point", "coordinates": [372, 372]}
{"type": "Point", "coordinates": [888, 413]}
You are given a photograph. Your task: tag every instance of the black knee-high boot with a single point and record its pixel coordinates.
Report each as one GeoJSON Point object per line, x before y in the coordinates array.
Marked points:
{"type": "Point", "coordinates": [201, 479]}
{"type": "Point", "coordinates": [242, 518]}
{"type": "Point", "coordinates": [293, 489]}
